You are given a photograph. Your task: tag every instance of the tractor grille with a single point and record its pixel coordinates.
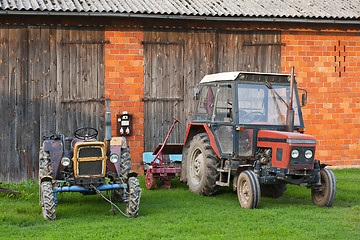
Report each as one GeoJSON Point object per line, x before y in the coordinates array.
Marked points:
{"type": "Point", "coordinates": [90, 152]}
{"type": "Point", "coordinates": [87, 168]}
{"type": "Point", "coordinates": [90, 161]}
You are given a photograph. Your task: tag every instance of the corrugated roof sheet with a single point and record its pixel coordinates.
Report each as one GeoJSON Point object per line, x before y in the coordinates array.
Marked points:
{"type": "Point", "coordinates": [337, 9]}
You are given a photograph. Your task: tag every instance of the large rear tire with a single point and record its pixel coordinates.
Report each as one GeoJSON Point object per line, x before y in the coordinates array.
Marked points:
{"type": "Point", "coordinates": [48, 200]}
{"type": "Point", "coordinates": [325, 194]}
{"type": "Point", "coordinates": [202, 164]}
{"type": "Point", "coordinates": [132, 206]}
{"type": "Point", "coordinates": [125, 162]}
{"type": "Point", "coordinates": [248, 190]}
{"type": "Point", "coordinates": [45, 169]}
{"type": "Point", "coordinates": [273, 190]}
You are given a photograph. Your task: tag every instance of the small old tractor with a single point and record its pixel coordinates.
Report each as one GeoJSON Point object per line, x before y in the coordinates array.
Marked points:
{"type": "Point", "coordinates": [247, 129]}
{"type": "Point", "coordinates": [84, 164]}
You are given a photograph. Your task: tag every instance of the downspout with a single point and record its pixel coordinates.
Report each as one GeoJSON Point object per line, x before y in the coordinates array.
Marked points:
{"type": "Point", "coordinates": [290, 111]}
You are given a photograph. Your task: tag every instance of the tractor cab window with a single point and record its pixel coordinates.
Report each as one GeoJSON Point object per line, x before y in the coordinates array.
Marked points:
{"type": "Point", "coordinates": [223, 106]}
{"type": "Point", "coordinates": [204, 105]}
{"type": "Point", "coordinates": [260, 104]}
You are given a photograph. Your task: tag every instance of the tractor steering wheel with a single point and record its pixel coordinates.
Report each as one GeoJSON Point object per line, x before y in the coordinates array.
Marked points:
{"type": "Point", "coordinates": [86, 133]}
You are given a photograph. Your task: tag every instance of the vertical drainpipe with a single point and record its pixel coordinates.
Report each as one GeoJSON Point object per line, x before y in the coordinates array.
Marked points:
{"type": "Point", "coordinates": [290, 111]}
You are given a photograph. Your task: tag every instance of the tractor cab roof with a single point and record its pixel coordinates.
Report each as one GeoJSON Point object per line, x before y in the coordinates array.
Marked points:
{"type": "Point", "coordinates": [246, 76]}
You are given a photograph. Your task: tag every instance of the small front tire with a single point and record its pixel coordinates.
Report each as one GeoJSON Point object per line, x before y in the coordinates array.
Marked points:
{"type": "Point", "coordinates": [325, 194]}
{"type": "Point", "coordinates": [47, 200]}
{"type": "Point", "coordinates": [134, 194]}
{"type": "Point", "coordinates": [248, 190]}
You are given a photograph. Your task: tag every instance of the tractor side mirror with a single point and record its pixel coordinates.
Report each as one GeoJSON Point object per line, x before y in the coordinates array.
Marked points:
{"type": "Point", "coordinates": [196, 93]}
{"type": "Point", "coordinates": [303, 97]}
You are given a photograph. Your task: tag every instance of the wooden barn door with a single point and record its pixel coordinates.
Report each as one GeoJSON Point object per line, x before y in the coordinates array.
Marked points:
{"type": "Point", "coordinates": [252, 51]}
{"type": "Point", "coordinates": [51, 81]}
{"type": "Point", "coordinates": [164, 91]}
{"type": "Point", "coordinates": [176, 61]}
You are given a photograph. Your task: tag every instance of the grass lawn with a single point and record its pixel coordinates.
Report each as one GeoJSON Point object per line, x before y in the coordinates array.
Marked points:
{"type": "Point", "coordinates": [180, 214]}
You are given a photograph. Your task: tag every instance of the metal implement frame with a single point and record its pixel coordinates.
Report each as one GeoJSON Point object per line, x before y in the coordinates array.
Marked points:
{"type": "Point", "coordinates": [159, 168]}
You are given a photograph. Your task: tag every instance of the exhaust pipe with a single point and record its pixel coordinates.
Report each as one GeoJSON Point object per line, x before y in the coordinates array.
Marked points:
{"type": "Point", "coordinates": [107, 121]}
{"type": "Point", "coordinates": [290, 111]}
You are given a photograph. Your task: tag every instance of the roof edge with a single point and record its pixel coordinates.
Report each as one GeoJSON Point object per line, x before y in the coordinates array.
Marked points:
{"type": "Point", "coordinates": [183, 17]}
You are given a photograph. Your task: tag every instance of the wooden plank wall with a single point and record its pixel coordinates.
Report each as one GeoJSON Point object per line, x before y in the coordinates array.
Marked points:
{"type": "Point", "coordinates": [176, 61]}
{"type": "Point", "coordinates": [40, 68]}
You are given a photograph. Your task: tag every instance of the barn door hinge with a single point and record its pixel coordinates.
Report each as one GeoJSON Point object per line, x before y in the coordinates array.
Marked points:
{"type": "Point", "coordinates": [84, 100]}
{"type": "Point", "coordinates": [263, 44]}
{"type": "Point", "coordinates": [85, 42]}
{"type": "Point", "coordinates": [163, 42]}
{"type": "Point", "coordinates": [160, 99]}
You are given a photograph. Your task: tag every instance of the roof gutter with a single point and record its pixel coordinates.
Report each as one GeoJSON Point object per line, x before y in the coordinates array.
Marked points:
{"type": "Point", "coordinates": [183, 17]}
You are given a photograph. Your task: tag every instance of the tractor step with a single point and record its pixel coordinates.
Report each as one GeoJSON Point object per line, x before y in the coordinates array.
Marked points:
{"type": "Point", "coordinates": [223, 184]}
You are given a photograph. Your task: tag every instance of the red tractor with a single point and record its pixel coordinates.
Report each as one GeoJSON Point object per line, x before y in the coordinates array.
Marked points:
{"type": "Point", "coordinates": [248, 129]}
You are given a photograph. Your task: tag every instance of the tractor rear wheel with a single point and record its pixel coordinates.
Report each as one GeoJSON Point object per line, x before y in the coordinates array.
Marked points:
{"type": "Point", "coordinates": [132, 206]}
{"type": "Point", "coordinates": [248, 189]}
{"type": "Point", "coordinates": [48, 200]}
{"type": "Point", "coordinates": [325, 194]}
{"type": "Point", "coordinates": [202, 164]}
{"type": "Point", "coordinates": [45, 169]}
{"type": "Point", "coordinates": [183, 174]}
{"type": "Point", "coordinates": [273, 190]}
{"type": "Point", "coordinates": [125, 162]}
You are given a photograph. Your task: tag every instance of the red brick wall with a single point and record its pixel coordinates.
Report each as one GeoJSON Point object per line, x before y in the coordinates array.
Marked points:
{"type": "Point", "coordinates": [124, 83]}
{"type": "Point", "coordinates": [327, 64]}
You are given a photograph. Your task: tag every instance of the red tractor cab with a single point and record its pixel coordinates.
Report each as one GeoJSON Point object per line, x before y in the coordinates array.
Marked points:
{"type": "Point", "coordinates": [247, 128]}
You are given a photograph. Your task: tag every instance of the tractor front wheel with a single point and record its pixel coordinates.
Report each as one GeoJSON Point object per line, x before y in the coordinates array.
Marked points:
{"type": "Point", "coordinates": [132, 205]}
{"type": "Point", "coordinates": [202, 164]}
{"type": "Point", "coordinates": [325, 194]}
{"type": "Point", "coordinates": [47, 200]}
{"type": "Point", "coordinates": [248, 189]}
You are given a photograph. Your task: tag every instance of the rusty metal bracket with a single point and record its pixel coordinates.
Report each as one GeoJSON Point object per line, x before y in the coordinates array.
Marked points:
{"type": "Point", "coordinates": [85, 42]}
{"type": "Point", "coordinates": [160, 99]}
{"type": "Point", "coordinates": [263, 44]}
{"type": "Point", "coordinates": [84, 100]}
{"type": "Point", "coordinates": [163, 42]}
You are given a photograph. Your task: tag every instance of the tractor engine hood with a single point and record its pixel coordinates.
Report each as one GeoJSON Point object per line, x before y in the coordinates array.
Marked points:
{"type": "Point", "coordinates": [265, 137]}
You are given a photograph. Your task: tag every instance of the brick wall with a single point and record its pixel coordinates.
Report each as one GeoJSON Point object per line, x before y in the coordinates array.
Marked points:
{"type": "Point", "coordinates": [124, 83]}
{"type": "Point", "coordinates": [327, 64]}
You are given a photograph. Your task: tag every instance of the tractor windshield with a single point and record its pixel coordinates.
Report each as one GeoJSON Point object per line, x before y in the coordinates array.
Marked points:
{"type": "Point", "coordinates": [261, 104]}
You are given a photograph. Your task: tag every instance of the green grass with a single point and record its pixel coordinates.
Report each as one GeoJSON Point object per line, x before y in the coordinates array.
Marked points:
{"type": "Point", "coordinates": [180, 214]}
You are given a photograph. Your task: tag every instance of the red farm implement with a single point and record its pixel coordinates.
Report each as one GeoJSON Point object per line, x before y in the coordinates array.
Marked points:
{"type": "Point", "coordinates": [161, 171]}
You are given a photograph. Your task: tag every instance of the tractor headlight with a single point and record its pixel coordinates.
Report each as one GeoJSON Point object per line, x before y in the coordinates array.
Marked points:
{"type": "Point", "coordinates": [308, 154]}
{"type": "Point", "coordinates": [295, 153]}
{"type": "Point", "coordinates": [114, 158]}
{"type": "Point", "coordinates": [65, 161]}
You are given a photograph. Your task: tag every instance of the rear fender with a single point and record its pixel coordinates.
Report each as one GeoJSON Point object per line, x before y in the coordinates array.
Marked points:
{"type": "Point", "coordinates": [56, 150]}
{"type": "Point", "coordinates": [196, 128]}
{"type": "Point", "coordinates": [46, 179]}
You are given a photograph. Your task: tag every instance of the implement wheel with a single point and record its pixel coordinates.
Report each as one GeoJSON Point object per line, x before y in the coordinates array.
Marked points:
{"type": "Point", "coordinates": [202, 164]}
{"type": "Point", "coordinates": [150, 181]}
{"type": "Point", "coordinates": [325, 194]}
{"type": "Point", "coordinates": [248, 189]}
